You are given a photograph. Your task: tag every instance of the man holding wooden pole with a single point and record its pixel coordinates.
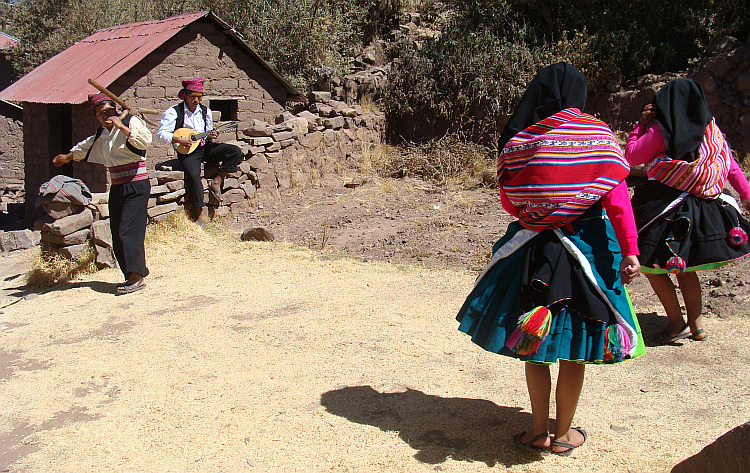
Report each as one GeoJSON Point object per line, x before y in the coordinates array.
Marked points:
{"type": "Point", "coordinates": [120, 144]}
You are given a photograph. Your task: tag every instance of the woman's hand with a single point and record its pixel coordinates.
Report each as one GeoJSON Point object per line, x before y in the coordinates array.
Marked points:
{"type": "Point", "coordinates": [647, 116]}
{"type": "Point", "coordinates": [629, 267]}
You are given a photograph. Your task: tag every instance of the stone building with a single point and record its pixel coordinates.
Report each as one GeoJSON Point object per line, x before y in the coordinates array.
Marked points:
{"type": "Point", "coordinates": [143, 63]}
{"type": "Point", "coordinates": [11, 140]}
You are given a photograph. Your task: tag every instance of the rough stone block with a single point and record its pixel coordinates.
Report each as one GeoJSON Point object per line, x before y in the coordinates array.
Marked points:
{"type": "Point", "coordinates": [240, 207]}
{"type": "Point", "coordinates": [257, 234]}
{"type": "Point", "coordinates": [283, 116]}
{"type": "Point", "coordinates": [286, 143]}
{"type": "Point", "coordinates": [164, 177]}
{"type": "Point", "coordinates": [75, 238]}
{"type": "Point", "coordinates": [260, 140]}
{"type": "Point", "coordinates": [101, 233]}
{"type": "Point", "coordinates": [311, 140]}
{"type": "Point", "coordinates": [74, 251]}
{"type": "Point", "coordinates": [231, 183]}
{"type": "Point", "coordinates": [18, 240]}
{"type": "Point", "coordinates": [156, 190]}
{"type": "Point", "coordinates": [319, 96]}
{"type": "Point", "coordinates": [308, 116]}
{"type": "Point", "coordinates": [175, 185]}
{"type": "Point", "coordinates": [249, 189]}
{"type": "Point", "coordinates": [162, 209]}
{"type": "Point", "coordinates": [255, 131]}
{"type": "Point", "coordinates": [284, 135]}
{"type": "Point", "coordinates": [71, 223]}
{"type": "Point", "coordinates": [105, 257]}
{"type": "Point", "coordinates": [273, 147]}
{"type": "Point", "coordinates": [334, 123]}
{"type": "Point", "coordinates": [286, 126]}
{"type": "Point", "coordinates": [243, 146]}
{"type": "Point", "coordinates": [170, 197]}
{"type": "Point", "coordinates": [258, 161]}
{"type": "Point", "coordinates": [233, 196]}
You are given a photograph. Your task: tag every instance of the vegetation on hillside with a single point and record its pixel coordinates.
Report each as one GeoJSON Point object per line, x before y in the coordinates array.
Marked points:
{"type": "Point", "coordinates": [459, 80]}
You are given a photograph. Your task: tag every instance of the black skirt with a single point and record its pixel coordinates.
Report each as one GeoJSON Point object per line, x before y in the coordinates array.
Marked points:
{"type": "Point", "coordinates": [694, 229]}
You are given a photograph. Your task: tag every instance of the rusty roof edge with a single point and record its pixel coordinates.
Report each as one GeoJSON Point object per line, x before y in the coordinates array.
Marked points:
{"type": "Point", "coordinates": [228, 30]}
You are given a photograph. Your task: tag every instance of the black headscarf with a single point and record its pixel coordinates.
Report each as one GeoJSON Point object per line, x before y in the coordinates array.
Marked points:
{"type": "Point", "coordinates": [682, 115]}
{"type": "Point", "coordinates": [554, 88]}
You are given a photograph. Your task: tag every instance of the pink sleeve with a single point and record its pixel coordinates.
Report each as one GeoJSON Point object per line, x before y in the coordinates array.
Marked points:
{"type": "Point", "coordinates": [620, 213]}
{"type": "Point", "coordinates": [738, 180]}
{"type": "Point", "coordinates": [643, 144]}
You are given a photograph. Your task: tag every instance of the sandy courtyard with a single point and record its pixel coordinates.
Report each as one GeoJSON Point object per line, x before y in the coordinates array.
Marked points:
{"type": "Point", "coordinates": [245, 357]}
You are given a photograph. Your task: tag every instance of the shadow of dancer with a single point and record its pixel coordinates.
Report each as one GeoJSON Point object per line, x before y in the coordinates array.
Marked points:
{"type": "Point", "coordinates": [438, 427]}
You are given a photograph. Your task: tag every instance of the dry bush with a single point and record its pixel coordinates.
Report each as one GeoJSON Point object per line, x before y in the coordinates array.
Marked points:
{"type": "Point", "coordinates": [448, 159]}
{"type": "Point", "coordinates": [50, 268]}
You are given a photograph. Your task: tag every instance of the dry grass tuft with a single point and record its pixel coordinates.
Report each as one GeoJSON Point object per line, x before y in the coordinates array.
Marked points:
{"type": "Point", "coordinates": [368, 105]}
{"type": "Point", "coordinates": [449, 159]}
{"type": "Point", "coordinates": [49, 268]}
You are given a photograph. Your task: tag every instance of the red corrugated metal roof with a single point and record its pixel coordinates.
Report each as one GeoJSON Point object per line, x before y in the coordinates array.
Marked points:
{"type": "Point", "coordinates": [7, 41]}
{"type": "Point", "coordinates": [104, 56]}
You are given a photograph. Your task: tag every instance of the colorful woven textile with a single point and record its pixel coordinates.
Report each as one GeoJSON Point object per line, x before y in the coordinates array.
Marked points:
{"type": "Point", "coordinates": [195, 84]}
{"type": "Point", "coordinates": [554, 170]}
{"type": "Point", "coordinates": [703, 177]}
{"type": "Point", "coordinates": [96, 99]}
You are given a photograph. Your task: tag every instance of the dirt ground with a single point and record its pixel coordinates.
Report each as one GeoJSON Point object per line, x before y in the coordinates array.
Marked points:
{"type": "Point", "coordinates": [333, 348]}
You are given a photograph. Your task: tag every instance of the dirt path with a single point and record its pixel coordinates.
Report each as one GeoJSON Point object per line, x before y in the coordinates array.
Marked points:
{"type": "Point", "coordinates": [274, 358]}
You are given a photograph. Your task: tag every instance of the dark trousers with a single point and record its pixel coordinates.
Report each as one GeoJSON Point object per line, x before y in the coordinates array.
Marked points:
{"type": "Point", "coordinates": [128, 204]}
{"type": "Point", "coordinates": [221, 156]}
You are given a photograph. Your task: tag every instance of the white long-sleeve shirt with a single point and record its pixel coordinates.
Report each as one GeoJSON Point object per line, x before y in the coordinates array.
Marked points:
{"type": "Point", "coordinates": [193, 120]}
{"type": "Point", "coordinates": [110, 148]}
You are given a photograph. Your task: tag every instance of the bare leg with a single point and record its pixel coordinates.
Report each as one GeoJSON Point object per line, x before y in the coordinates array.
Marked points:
{"type": "Point", "coordinates": [133, 278]}
{"type": "Point", "coordinates": [569, 385]}
{"type": "Point", "coordinates": [201, 212]}
{"type": "Point", "coordinates": [690, 287]}
{"type": "Point", "coordinates": [217, 183]}
{"type": "Point", "coordinates": [665, 291]}
{"type": "Point", "coordinates": [539, 384]}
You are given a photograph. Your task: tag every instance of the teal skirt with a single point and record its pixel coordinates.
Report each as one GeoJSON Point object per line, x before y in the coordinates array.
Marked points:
{"type": "Point", "coordinates": [491, 312]}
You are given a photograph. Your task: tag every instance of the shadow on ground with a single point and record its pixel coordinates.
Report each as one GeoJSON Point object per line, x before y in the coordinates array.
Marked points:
{"type": "Point", "coordinates": [438, 427]}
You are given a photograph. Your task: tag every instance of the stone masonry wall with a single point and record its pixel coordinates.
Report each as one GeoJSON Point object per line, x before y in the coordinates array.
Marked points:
{"type": "Point", "coordinates": [201, 50]}
{"type": "Point", "coordinates": [11, 156]}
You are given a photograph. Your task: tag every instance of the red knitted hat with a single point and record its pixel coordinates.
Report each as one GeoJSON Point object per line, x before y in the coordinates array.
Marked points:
{"type": "Point", "coordinates": [96, 99]}
{"type": "Point", "coordinates": [195, 85]}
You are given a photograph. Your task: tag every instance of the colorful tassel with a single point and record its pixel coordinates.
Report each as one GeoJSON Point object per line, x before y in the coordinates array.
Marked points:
{"type": "Point", "coordinates": [676, 265]}
{"type": "Point", "coordinates": [737, 236]}
{"type": "Point", "coordinates": [533, 328]}
{"type": "Point", "coordinates": [616, 343]}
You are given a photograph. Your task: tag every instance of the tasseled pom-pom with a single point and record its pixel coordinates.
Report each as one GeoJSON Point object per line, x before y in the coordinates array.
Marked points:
{"type": "Point", "coordinates": [737, 236]}
{"type": "Point", "coordinates": [676, 265]}
{"type": "Point", "coordinates": [533, 328]}
{"type": "Point", "coordinates": [617, 343]}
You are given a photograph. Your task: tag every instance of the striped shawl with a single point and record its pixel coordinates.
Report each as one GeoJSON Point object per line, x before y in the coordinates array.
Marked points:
{"type": "Point", "coordinates": [704, 177]}
{"type": "Point", "coordinates": [554, 170]}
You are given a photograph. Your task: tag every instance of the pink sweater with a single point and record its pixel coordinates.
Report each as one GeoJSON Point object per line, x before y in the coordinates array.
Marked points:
{"type": "Point", "coordinates": [620, 213]}
{"type": "Point", "coordinates": [645, 143]}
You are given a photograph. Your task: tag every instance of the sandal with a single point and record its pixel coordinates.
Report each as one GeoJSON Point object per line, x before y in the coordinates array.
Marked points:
{"type": "Point", "coordinates": [570, 447]}
{"type": "Point", "coordinates": [530, 444]}
{"type": "Point", "coordinates": [215, 194]}
{"type": "Point", "coordinates": [700, 331]}
{"type": "Point", "coordinates": [128, 288]}
{"type": "Point", "coordinates": [664, 337]}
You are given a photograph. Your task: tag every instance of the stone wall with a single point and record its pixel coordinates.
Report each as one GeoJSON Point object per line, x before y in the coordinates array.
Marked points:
{"type": "Point", "coordinates": [201, 50]}
{"type": "Point", "coordinates": [310, 148]}
{"type": "Point", "coordinates": [11, 157]}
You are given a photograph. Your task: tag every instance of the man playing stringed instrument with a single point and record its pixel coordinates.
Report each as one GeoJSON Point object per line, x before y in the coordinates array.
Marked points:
{"type": "Point", "coordinates": [190, 113]}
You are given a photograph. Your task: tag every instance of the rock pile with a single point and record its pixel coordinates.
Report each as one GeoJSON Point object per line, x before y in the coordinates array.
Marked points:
{"type": "Point", "coordinates": [70, 229]}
